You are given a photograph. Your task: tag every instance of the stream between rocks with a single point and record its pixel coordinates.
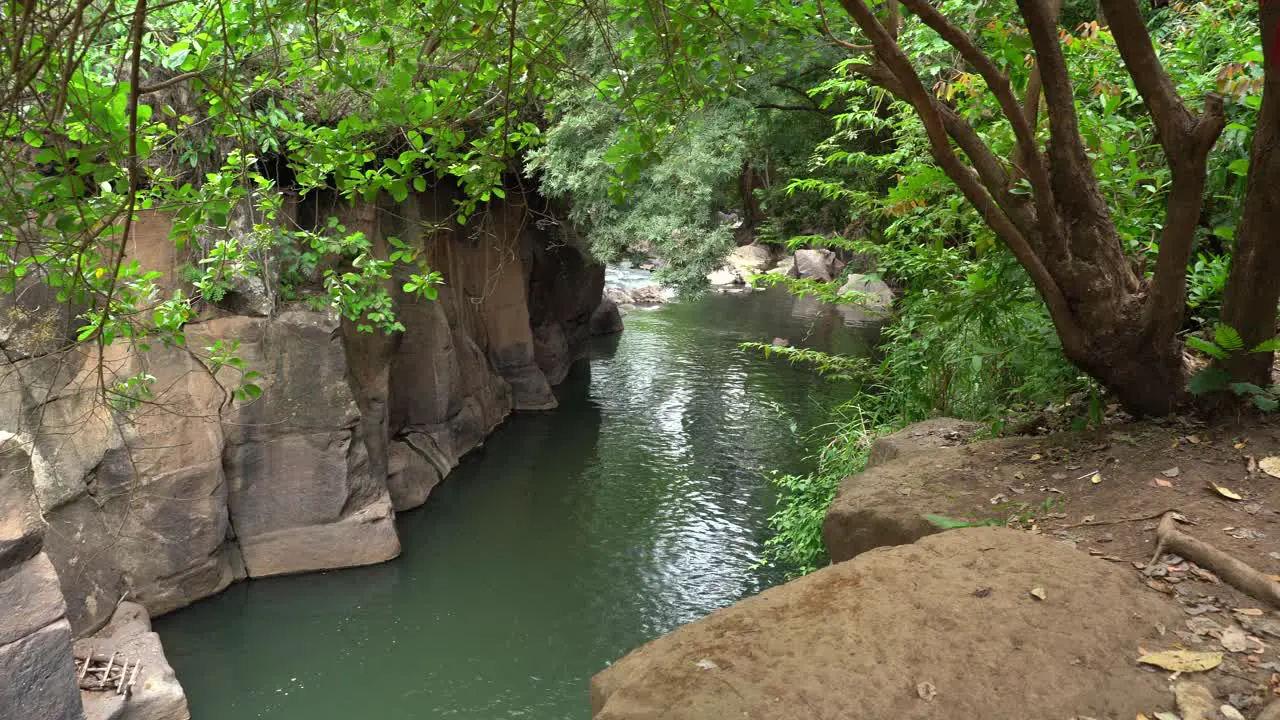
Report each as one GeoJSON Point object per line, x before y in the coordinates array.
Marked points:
{"type": "Point", "coordinates": [570, 538]}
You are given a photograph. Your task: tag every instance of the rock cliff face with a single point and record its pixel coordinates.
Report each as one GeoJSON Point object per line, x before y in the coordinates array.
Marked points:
{"type": "Point", "coordinates": [35, 638]}
{"type": "Point", "coordinates": [193, 491]}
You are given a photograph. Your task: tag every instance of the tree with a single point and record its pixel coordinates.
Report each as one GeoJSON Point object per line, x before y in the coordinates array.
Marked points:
{"type": "Point", "coordinates": [1115, 324]}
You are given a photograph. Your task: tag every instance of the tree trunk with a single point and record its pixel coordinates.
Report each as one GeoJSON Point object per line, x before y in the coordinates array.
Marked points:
{"type": "Point", "coordinates": [1147, 377]}
{"type": "Point", "coordinates": [1253, 285]}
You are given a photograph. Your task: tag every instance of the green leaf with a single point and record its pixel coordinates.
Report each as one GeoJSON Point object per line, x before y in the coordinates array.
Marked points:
{"type": "Point", "coordinates": [1210, 379]}
{"type": "Point", "coordinates": [1246, 388]}
{"type": "Point", "coordinates": [1272, 345]}
{"type": "Point", "coordinates": [1227, 338]}
{"type": "Point", "coordinates": [1206, 347]}
{"type": "Point", "coordinates": [1265, 403]}
{"type": "Point", "coordinates": [33, 138]}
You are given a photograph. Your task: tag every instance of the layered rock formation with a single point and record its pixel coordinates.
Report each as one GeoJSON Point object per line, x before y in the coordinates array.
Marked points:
{"type": "Point", "coordinates": [37, 674]}
{"type": "Point", "coordinates": [194, 490]}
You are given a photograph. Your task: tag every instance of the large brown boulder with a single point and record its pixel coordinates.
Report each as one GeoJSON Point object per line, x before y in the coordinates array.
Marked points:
{"type": "Point", "coordinates": [908, 476]}
{"type": "Point", "coordinates": [156, 694]}
{"type": "Point", "coordinates": [944, 628]}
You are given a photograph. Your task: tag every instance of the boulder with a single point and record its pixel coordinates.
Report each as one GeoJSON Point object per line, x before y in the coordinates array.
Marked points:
{"type": "Point", "coordinates": [37, 674]}
{"type": "Point", "coordinates": [922, 437]}
{"type": "Point", "coordinates": [249, 296]}
{"type": "Point", "coordinates": [157, 694]}
{"type": "Point", "coordinates": [818, 264]}
{"type": "Point", "coordinates": [618, 296]}
{"type": "Point", "coordinates": [648, 295]}
{"type": "Point", "coordinates": [874, 293]}
{"type": "Point", "coordinates": [750, 259]}
{"type": "Point", "coordinates": [21, 527]}
{"type": "Point", "coordinates": [606, 320]}
{"type": "Point", "coordinates": [785, 266]}
{"type": "Point", "coordinates": [725, 276]}
{"type": "Point", "coordinates": [908, 476]}
{"type": "Point", "coordinates": [944, 628]}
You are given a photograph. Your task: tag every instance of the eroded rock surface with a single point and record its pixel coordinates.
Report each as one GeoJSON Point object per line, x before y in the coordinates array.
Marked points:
{"type": "Point", "coordinates": [37, 673]}
{"type": "Point", "coordinates": [177, 499]}
{"type": "Point", "coordinates": [907, 478]}
{"type": "Point", "coordinates": [818, 264]}
{"type": "Point", "coordinates": [156, 694]}
{"type": "Point", "coordinates": [943, 628]}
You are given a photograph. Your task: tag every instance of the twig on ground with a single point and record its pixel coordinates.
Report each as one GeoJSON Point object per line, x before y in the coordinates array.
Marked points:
{"type": "Point", "coordinates": [1154, 516]}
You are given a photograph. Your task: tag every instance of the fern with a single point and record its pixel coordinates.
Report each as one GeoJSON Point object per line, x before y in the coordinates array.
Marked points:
{"type": "Point", "coordinates": [1228, 338]}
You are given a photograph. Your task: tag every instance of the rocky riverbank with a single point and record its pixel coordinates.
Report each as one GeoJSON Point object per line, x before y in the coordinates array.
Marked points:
{"type": "Point", "coordinates": [1050, 599]}
{"type": "Point", "coordinates": [195, 490]}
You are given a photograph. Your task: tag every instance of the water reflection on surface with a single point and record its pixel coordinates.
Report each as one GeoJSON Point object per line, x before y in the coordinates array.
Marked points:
{"type": "Point", "coordinates": [571, 538]}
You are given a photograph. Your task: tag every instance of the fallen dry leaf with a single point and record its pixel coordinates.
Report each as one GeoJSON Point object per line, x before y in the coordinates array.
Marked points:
{"type": "Point", "coordinates": [1270, 465]}
{"type": "Point", "coordinates": [1230, 713]}
{"type": "Point", "coordinates": [1240, 445]}
{"type": "Point", "coordinates": [1183, 660]}
{"type": "Point", "coordinates": [1035, 457]}
{"type": "Point", "coordinates": [1234, 640]}
{"type": "Point", "coordinates": [1097, 478]}
{"type": "Point", "coordinates": [1224, 492]}
{"type": "Point", "coordinates": [927, 691]}
{"type": "Point", "coordinates": [1193, 439]}
{"type": "Point", "coordinates": [707, 664]}
{"type": "Point", "coordinates": [1171, 472]}
{"type": "Point", "coordinates": [1161, 482]}
{"type": "Point", "coordinates": [1038, 593]}
{"type": "Point", "coordinates": [1252, 612]}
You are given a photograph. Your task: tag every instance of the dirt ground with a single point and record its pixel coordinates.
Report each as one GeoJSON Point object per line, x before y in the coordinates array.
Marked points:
{"type": "Point", "coordinates": [1105, 491]}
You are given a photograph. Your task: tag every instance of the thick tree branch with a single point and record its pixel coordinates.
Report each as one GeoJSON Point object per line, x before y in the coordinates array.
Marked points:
{"type": "Point", "coordinates": [1031, 96]}
{"type": "Point", "coordinates": [791, 108]}
{"type": "Point", "coordinates": [1187, 139]}
{"type": "Point", "coordinates": [914, 92]}
{"type": "Point", "coordinates": [1092, 232]}
{"type": "Point", "coordinates": [999, 84]}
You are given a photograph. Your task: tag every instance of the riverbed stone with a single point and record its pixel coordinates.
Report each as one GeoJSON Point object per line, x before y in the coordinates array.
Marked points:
{"type": "Point", "coordinates": [942, 628]}
{"type": "Point", "coordinates": [724, 276]}
{"type": "Point", "coordinates": [877, 295]}
{"type": "Point", "coordinates": [750, 259]}
{"type": "Point", "coordinates": [818, 264]}
{"type": "Point", "coordinates": [607, 319]}
{"type": "Point", "coordinates": [157, 694]}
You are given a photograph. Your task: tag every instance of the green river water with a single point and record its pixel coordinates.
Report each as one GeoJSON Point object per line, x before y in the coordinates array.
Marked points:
{"type": "Point", "coordinates": [571, 538]}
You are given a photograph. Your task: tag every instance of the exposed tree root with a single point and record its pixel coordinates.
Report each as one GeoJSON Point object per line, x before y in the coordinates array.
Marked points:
{"type": "Point", "coordinates": [1232, 571]}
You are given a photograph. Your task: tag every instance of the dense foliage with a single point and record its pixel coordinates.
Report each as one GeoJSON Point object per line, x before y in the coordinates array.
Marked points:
{"type": "Point", "coordinates": [851, 127]}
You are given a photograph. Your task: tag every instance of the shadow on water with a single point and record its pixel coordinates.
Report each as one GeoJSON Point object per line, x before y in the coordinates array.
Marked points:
{"type": "Point", "coordinates": [572, 537]}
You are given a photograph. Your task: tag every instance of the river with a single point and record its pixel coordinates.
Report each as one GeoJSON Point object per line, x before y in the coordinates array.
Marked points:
{"type": "Point", "coordinates": [571, 538]}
